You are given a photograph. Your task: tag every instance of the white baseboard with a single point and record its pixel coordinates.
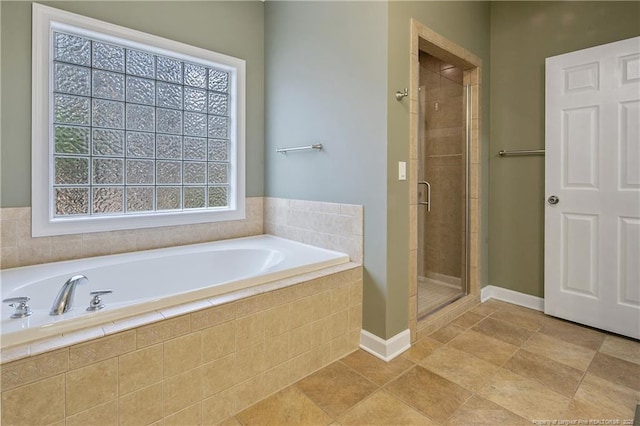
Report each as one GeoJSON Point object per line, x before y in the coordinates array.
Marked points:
{"type": "Point", "coordinates": [386, 350]}
{"type": "Point", "coordinates": [515, 297]}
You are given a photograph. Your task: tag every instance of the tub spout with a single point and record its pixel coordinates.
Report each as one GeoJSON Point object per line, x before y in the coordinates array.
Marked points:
{"type": "Point", "coordinates": [64, 299]}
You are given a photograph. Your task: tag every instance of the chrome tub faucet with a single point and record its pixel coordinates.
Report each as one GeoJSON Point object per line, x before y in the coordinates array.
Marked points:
{"type": "Point", "coordinates": [64, 299]}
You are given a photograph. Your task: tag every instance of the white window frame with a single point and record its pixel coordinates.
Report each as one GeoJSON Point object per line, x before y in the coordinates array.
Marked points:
{"type": "Point", "coordinates": [44, 222]}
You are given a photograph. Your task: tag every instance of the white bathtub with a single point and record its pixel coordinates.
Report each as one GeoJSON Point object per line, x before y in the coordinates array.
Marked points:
{"type": "Point", "coordinates": [148, 281]}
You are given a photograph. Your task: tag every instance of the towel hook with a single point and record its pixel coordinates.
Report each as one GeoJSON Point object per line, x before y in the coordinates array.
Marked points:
{"type": "Point", "coordinates": [400, 95]}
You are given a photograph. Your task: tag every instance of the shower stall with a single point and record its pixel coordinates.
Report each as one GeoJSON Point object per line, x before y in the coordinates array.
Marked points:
{"type": "Point", "coordinates": [443, 185]}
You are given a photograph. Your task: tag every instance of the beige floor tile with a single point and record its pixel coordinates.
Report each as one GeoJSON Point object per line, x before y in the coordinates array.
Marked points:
{"type": "Point", "coordinates": [459, 367]}
{"type": "Point", "coordinates": [484, 347]}
{"type": "Point", "coordinates": [478, 411]}
{"type": "Point", "coordinates": [287, 407]}
{"type": "Point", "coordinates": [375, 369]}
{"type": "Point", "coordinates": [421, 349]}
{"type": "Point", "coordinates": [522, 317]}
{"type": "Point", "coordinates": [622, 348]}
{"type": "Point", "coordinates": [504, 331]}
{"type": "Point", "coordinates": [600, 392]}
{"type": "Point", "coordinates": [446, 333]}
{"type": "Point", "coordinates": [468, 319]}
{"type": "Point", "coordinates": [579, 410]}
{"type": "Point", "coordinates": [524, 397]}
{"type": "Point", "coordinates": [488, 307]}
{"type": "Point", "coordinates": [567, 353]}
{"type": "Point", "coordinates": [556, 376]}
{"type": "Point", "coordinates": [572, 333]}
{"type": "Point", "coordinates": [336, 388]}
{"type": "Point", "coordinates": [383, 409]}
{"type": "Point", "coordinates": [429, 393]}
{"type": "Point", "coordinates": [616, 370]}
{"type": "Point", "coordinates": [231, 421]}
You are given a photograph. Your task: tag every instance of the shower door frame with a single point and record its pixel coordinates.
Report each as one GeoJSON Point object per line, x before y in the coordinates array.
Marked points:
{"type": "Point", "coordinates": [426, 40]}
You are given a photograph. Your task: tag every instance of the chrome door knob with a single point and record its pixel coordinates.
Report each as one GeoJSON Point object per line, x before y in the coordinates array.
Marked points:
{"type": "Point", "coordinates": [553, 200]}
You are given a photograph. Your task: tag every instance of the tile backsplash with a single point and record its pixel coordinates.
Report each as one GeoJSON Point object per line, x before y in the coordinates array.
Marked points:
{"type": "Point", "coordinates": [18, 248]}
{"type": "Point", "coordinates": [328, 225]}
{"type": "Point", "coordinates": [331, 226]}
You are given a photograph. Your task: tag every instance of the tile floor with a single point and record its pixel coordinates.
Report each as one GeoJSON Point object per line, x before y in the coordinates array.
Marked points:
{"type": "Point", "coordinates": [497, 364]}
{"type": "Point", "coordinates": [433, 294]}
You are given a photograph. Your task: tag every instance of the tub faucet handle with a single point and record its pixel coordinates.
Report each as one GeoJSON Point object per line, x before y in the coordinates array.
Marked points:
{"type": "Point", "coordinates": [96, 303]}
{"type": "Point", "coordinates": [20, 303]}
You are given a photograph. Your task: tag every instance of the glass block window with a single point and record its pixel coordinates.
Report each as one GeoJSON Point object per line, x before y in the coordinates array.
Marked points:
{"type": "Point", "coordinates": [136, 131]}
{"type": "Point", "coordinates": [132, 126]}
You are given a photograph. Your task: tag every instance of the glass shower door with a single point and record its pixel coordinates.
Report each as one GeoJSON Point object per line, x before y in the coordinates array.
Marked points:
{"type": "Point", "coordinates": [442, 185]}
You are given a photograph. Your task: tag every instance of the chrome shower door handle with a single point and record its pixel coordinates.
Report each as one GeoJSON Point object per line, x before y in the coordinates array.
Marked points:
{"type": "Point", "coordinates": [428, 202]}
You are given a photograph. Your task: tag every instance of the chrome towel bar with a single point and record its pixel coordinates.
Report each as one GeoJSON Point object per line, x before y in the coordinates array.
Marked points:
{"type": "Point", "coordinates": [317, 146]}
{"type": "Point", "coordinates": [503, 153]}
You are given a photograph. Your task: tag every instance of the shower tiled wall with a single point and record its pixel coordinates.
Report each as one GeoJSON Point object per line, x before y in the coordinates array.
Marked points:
{"type": "Point", "coordinates": [18, 248]}
{"type": "Point", "coordinates": [442, 158]}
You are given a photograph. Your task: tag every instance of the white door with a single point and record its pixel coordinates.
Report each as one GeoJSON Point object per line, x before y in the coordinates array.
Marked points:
{"type": "Point", "coordinates": [592, 167]}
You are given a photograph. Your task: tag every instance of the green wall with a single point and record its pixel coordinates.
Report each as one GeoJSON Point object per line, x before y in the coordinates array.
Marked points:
{"type": "Point", "coordinates": [326, 81]}
{"type": "Point", "coordinates": [523, 34]}
{"type": "Point", "coordinates": [331, 71]}
{"type": "Point", "coordinates": [467, 24]}
{"type": "Point", "coordinates": [234, 28]}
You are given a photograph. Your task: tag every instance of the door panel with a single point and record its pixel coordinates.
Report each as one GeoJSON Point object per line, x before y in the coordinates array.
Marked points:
{"type": "Point", "coordinates": [592, 162]}
{"type": "Point", "coordinates": [580, 248]}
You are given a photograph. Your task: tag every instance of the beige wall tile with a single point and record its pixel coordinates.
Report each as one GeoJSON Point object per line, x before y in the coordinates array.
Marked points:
{"type": "Point", "coordinates": [321, 331]}
{"type": "Point", "coordinates": [249, 330]}
{"type": "Point", "coordinates": [33, 251]}
{"type": "Point", "coordinates": [277, 378]}
{"type": "Point", "coordinates": [161, 331]}
{"type": "Point", "coordinates": [140, 369]}
{"type": "Point", "coordinates": [218, 376]}
{"type": "Point", "coordinates": [89, 386]}
{"type": "Point", "coordinates": [249, 392]}
{"type": "Point", "coordinates": [355, 318]}
{"type": "Point", "coordinates": [339, 323]}
{"type": "Point", "coordinates": [276, 321]}
{"type": "Point", "coordinates": [339, 298]}
{"type": "Point", "coordinates": [300, 340]}
{"type": "Point", "coordinates": [189, 416]}
{"type": "Point", "coordinates": [302, 312]}
{"type": "Point", "coordinates": [218, 407]}
{"type": "Point", "coordinates": [141, 407]}
{"type": "Point", "coordinates": [33, 369]}
{"type": "Point", "coordinates": [321, 305]}
{"type": "Point", "coordinates": [341, 346]}
{"type": "Point", "coordinates": [8, 233]}
{"type": "Point", "coordinates": [355, 293]}
{"type": "Point", "coordinates": [276, 350]}
{"type": "Point", "coordinates": [182, 391]}
{"type": "Point", "coordinates": [249, 362]}
{"type": "Point", "coordinates": [182, 354]}
{"type": "Point", "coordinates": [255, 304]}
{"type": "Point", "coordinates": [103, 348]}
{"type": "Point", "coordinates": [100, 415]}
{"type": "Point", "coordinates": [37, 403]}
{"type": "Point", "coordinates": [218, 341]}
{"type": "Point", "coordinates": [9, 257]}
